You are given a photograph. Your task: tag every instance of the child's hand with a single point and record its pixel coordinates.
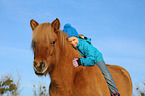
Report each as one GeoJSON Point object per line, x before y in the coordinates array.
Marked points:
{"type": "Point", "coordinates": [75, 63]}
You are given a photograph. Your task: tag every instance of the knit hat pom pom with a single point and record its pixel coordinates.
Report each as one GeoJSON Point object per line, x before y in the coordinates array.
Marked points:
{"type": "Point", "coordinates": [67, 25]}
{"type": "Point", "coordinates": [70, 30]}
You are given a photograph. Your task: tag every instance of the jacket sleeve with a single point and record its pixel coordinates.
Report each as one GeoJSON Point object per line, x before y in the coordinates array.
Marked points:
{"type": "Point", "coordinates": [89, 52]}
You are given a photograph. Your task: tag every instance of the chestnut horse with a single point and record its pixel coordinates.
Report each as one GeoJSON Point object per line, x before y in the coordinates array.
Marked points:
{"type": "Point", "coordinates": [53, 54]}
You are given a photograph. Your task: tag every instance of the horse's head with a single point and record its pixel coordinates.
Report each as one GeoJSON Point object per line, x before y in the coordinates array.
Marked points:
{"type": "Point", "coordinates": [45, 44]}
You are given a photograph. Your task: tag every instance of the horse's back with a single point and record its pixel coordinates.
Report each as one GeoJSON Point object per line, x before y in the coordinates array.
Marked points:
{"type": "Point", "coordinates": [89, 81]}
{"type": "Point", "coordinates": [122, 79]}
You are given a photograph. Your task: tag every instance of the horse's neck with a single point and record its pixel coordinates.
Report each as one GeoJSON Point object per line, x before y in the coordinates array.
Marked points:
{"type": "Point", "coordinates": [65, 64]}
{"type": "Point", "coordinates": [63, 72]}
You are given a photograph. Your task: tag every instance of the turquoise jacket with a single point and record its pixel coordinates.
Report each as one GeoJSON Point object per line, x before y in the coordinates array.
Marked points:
{"type": "Point", "coordinates": [91, 55]}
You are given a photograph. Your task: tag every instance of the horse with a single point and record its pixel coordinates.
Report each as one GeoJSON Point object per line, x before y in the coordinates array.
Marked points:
{"type": "Point", "coordinates": [53, 55]}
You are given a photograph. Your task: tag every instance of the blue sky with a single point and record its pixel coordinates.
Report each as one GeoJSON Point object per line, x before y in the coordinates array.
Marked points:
{"type": "Point", "coordinates": [116, 27]}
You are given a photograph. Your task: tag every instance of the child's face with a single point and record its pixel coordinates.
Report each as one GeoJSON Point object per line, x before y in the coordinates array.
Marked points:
{"type": "Point", "coordinates": [74, 41]}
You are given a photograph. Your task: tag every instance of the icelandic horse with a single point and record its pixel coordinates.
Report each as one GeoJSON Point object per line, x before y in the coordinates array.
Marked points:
{"type": "Point", "coordinates": [53, 54]}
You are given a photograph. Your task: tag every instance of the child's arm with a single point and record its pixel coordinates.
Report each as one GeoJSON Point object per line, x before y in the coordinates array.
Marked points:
{"type": "Point", "coordinates": [91, 54]}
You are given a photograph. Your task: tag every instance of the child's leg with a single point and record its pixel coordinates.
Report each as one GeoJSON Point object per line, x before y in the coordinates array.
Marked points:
{"type": "Point", "coordinates": [108, 76]}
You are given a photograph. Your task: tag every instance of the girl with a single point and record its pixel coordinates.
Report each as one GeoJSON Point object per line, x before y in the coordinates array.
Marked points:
{"type": "Point", "coordinates": [91, 56]}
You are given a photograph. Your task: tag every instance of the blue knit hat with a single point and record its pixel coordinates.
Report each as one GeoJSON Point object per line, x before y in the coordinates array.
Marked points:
{"type": "Point", "coordinates": [70, 30]}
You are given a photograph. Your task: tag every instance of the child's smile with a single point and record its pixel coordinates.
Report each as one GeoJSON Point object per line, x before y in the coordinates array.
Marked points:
{"type": "Point", "coordinates": [74, 41]}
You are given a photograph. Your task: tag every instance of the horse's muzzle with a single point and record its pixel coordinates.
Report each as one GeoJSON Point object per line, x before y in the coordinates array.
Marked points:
{"type": "Point", "coordinates": [40, 67]}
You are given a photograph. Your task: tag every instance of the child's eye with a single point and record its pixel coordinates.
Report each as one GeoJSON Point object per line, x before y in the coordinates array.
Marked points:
{"type": "Point", "coordinates": [74, 39]}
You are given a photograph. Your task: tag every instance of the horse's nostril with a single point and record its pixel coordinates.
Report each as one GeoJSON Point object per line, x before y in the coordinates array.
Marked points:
{"type": "Point", "coordinates": [35, 64]}
{"type": "Point", "coordinates": [42, 64]}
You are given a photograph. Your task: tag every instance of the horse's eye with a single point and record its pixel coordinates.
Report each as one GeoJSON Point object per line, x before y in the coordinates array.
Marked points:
{"type": "Point", "coordinates": [34, 43]}
{"type": "Point", "coordinates": [52, 43]}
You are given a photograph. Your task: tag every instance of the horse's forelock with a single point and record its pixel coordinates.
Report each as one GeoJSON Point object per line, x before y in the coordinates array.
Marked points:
{"type": "Point", "coordinates": [43, 33]}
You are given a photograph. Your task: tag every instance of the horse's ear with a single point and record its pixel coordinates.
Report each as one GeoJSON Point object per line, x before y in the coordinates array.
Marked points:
{"type": "Point", "coordinates": [33, 24]}
{"type": "Point", "coordinates": [56, 25]}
